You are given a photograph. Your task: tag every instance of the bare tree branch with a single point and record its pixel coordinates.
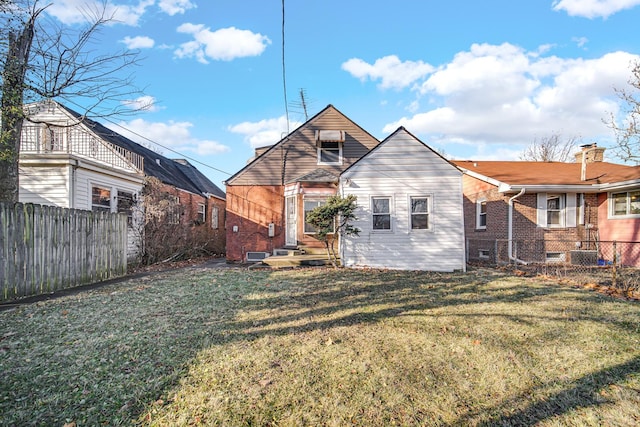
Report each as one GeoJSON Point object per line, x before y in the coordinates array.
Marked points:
{"type": "Point", "coordinates": [628, 131]}
{"type": "Point", "coordinates": [551, 148]}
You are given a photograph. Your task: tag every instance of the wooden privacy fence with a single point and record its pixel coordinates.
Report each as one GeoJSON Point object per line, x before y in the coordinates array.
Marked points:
{"type": "Point", "coordinates": [46, 248]}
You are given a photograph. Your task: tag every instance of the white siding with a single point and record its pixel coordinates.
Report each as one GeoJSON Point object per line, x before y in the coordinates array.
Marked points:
{"type": "Point", "coordinates": [45, 185]}
{"type": "Point", "coordinates": [402, 167]}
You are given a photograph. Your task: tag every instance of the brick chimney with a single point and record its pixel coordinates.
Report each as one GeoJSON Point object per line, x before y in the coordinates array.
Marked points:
{"type": "Point", "coordinates": [591, 153]}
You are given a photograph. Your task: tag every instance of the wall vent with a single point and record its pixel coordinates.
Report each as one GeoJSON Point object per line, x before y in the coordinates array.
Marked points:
{"type": "Point", "coordinates": [256, 256]}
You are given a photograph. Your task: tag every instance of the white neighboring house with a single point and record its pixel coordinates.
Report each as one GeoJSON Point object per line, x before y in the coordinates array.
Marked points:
{"type": "Point", "coordinates": [409, 208]}
{"type": "Point", "coordinates": [64, 163]}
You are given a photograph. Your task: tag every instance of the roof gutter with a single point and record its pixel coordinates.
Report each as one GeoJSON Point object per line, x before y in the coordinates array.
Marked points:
{"type": "Point", "coordinates": [510, 229]}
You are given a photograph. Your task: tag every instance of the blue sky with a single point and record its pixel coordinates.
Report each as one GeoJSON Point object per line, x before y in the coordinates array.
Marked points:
{"type": "Point", "coordinates": [476, 80]}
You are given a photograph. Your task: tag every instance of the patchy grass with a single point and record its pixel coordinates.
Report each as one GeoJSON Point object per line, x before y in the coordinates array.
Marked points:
{"type": "Point", "coordinates": [323, 347]}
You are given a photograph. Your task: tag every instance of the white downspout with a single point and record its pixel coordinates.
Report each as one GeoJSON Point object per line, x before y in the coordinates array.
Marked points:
{"type": "Point", "coordinates": [510, 229]}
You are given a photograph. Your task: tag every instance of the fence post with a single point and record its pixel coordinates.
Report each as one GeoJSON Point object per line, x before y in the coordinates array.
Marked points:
{"type": "Point", "coordinates": [613, 266]}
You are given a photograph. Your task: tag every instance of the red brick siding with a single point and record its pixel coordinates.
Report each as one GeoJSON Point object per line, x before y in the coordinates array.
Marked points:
{"type": "Point", "coordinates": [215, 238]}
{"type": "Point", "coordinates": [251, 208]}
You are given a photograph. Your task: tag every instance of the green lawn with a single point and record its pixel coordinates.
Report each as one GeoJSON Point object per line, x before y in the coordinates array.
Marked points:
{"type": "Point", "coordinates": [322, 347]}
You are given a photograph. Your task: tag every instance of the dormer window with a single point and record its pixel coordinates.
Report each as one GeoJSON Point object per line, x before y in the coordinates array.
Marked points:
{"type": "Point", "coordinates": [329, 143]}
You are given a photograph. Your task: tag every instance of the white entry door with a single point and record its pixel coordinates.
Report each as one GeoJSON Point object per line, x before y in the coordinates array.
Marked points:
{"type": "Point", "coordinates": [291, 238]}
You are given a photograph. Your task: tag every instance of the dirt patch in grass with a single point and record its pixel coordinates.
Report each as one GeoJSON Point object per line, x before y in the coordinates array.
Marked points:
{"type": "Point", "coordinates": [323, 347]}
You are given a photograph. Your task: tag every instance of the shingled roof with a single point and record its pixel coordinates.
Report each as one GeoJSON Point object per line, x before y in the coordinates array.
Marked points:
{"type": "Point", "coordinates": [178, 173]}
{"type": "Point", "coordinates": [518, 174]}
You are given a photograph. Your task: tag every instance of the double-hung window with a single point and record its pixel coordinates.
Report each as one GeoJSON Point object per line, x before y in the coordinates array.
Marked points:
{"type": "Point", "coordinates": [329, 143]}
{"type": "Point", "coordinates": [555, 210]}
{"type": "Point", "coordinates": [215, 220]}
{"type": "Point", "coordinates": [100, 199]}
{"type": "Point", "coordinates": [420, 213]}
{"type": "Point", "coordinates": [625, 203]}
{"type": "Point", "coordinates": [309, 205]}
{"type": "Point", "coordinates": [481, 215]}
{"type": "Point", "coordinates": [202, 213]}
{"type": "Point", "coordinates": [381, 213]}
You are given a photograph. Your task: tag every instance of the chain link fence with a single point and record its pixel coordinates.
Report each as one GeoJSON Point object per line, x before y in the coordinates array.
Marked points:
{"type": "Point", "coordinates": [605, 263]}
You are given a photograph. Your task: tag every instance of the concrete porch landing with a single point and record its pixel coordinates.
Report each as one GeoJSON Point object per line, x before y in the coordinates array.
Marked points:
{"type": "Point", "coordinates": [299, 258]}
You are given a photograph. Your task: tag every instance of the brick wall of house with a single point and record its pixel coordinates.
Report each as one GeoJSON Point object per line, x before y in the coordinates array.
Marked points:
{"type": "Point", "coordinates": [534, 240]}
{"type": "Point", "coordinates": [250, 210]}
{"type": "Point", "coordinates": [211, 236]}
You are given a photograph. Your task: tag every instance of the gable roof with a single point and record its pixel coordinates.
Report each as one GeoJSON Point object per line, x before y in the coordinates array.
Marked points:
{"type": "Point", "coordinates": [294, 156]}
{"type": "Point", "coordinates": [401, 130]}
{"type": "Point", "coordinates": [177, 173]}
{"type": "Point", "coordinates": [514, 175]}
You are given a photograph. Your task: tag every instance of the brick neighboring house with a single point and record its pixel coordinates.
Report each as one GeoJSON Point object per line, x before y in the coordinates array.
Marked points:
{"type": "Point", "coordinates": [70, 161]}
{"type": "Point", "coordinates": [268, 199]}
{"type": "Point", "coordinates": [549, 211]}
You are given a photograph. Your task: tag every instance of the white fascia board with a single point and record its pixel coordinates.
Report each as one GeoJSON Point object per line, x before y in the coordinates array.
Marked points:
{"type": "Point", "coordinates": [594, 188]}
{"type": "Point", "coordinates": [623, 185]}
{"type": "Point", "coordinates": [482, 177]}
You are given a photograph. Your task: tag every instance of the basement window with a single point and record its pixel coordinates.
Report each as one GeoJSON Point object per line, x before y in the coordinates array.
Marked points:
{"type": "Point", "coordinates": [554, 257]}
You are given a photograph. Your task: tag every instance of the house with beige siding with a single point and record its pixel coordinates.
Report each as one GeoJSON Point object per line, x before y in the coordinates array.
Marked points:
{"type": "Point", "coordinates": [267, 200]}
{"type": "Point", "coordinates": [409, 208]}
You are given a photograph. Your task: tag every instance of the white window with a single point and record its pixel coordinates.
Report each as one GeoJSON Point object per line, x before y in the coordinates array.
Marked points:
{"type": "Point", "coordinates": [329, 153]}
{"type": "Point", "coordinates": [481, 214]}
{"type": "Point", "coordinates": [484, 253]}
{"type": "Point", "coordinates": [625, 203]}
{"type": "Point", "coordinates": [555, 210]}
{"type": "Point", "coordinates": [125, 205]}
{"type": "Point", "coordinates": [553, 257]}
{"type": "Point", "coordinates": [100, 199]}
{"type": "Point", "coordinates": [309, 205]}
{"type": "Point", "coordinates": [420, 213]}
{"type": "Point", "coordinates": [202, 213]}
{"type": "Point", "coordinates": [215, 221]}
{"type": "Point", "coordinates": [173, 210]}
{"type": "Point", "coordinates": [381, 213]}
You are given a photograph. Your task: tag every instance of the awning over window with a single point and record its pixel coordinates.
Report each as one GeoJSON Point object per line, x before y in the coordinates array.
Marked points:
{"type": "Point", "coordinates": [330, 136]}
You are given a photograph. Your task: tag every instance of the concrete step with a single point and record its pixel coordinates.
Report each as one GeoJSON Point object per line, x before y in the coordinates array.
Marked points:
{"type": "Point", "coordinates": [297, 260]}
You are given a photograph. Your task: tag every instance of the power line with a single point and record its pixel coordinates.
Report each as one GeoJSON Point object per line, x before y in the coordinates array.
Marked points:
{"type": "Point", "coordinates": [158, 144]}
{"type": "Point", "coordinates": [167, 148]}
{"type": "Point", "coordinates": [284, 79]}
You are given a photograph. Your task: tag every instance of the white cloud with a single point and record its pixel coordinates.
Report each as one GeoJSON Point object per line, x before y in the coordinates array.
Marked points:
{"type": "Point", "coordinates": [224, 44]}
{"type": "Point", "coordinates": [264, 132]}
{"type": "Point", "coordinates": [138, 42]}
{"type": "Point", "coordinates": [143, 103]}
{"type": "Point", "coordinates": [593, 8]}
{"type": "Point", "coordinates": [173, 7]}
{"type": "Point", "coordinates": [390, 70]}
{"type": "Point", "coordinates": [173, 135]}
{"type": "Point", "coordinates": [504, 94]}
{"type": "Point", "coordinates": [77, 11]}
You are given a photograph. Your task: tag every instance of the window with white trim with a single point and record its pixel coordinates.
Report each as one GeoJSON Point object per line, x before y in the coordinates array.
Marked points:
{"type": "Point", "coordinates": [381, 213]}
{"type": "Point", "coordinates": [100, 199]}
{"type": "Point", "coordinates": [125, 205]}
{"type": "Point", "coordinates": [555, 210]}
{"type": "Point", "coordinates": [625, 203]}
{"type": "Point", "coordinates": [215, 220]}
{"type": "Point", "coordinates": [329, 153]}
{"type": "Point", "coordinates": [202, 213]}
{"type": "Point", "coordinates": [310, 204]}
{"type": "Point", "coordinates": [481, 214]}
{"type": "Point", "coordinates": [419, 213]}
